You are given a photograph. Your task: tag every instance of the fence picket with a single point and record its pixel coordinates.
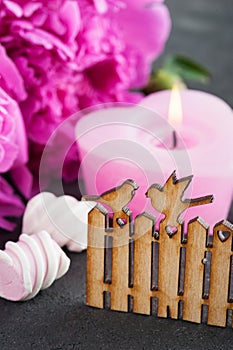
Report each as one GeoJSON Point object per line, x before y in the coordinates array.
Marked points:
{"type": "Point", "coordinates": [142, 264]}
{"type": "Point", "coordinates": [169, 257]}
{"type": "Point", "coordinates": [166, 276]}
{"type": "Point", "coordinates": [221, 256]}
{"type": "Point", "coordinates": [120, 264]}
{"type": "Point", "coordinates": [194, 271]}
{"type": "Point", "coordinates": [95, 259]}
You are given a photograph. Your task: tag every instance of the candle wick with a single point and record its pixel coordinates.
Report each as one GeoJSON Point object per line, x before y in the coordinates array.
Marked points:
{"type": "Point", "coordinates": [174, 139]}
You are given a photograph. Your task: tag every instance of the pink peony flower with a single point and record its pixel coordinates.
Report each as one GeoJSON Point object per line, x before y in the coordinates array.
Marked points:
{"type": "Point", "coordinates": [13, 142]}
{"type": "Point", "coordinates": [13, 156]}
{"type": "Point", "coordinates": [15, 188]}
{"type": "Point", "coordinates": [58, 57]}
{"type": "Point", "coordinates": [10, 204]}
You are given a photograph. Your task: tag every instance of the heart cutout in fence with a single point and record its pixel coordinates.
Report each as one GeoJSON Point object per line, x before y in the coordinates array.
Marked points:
{"type": "Point", "coordinates": [223, 235]}
{"type": "Point", "coordinates": [171, 230]}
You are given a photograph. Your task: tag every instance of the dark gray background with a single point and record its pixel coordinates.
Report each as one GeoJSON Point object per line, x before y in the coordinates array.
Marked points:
{"type": "Point", "coordinates": [58, 318]}
{"type": "Point", "coordinates": [203, 30]}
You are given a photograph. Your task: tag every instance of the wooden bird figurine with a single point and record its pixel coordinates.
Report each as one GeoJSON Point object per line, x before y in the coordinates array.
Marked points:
{"type": "Point", "coordinates": [169, 198]}
{"type": "Point", "coordinates": [117, 198]}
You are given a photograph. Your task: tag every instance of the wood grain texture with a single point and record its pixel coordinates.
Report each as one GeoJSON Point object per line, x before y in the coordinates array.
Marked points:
{"type": "Point", "coordinates": [170, 200]}
{"type": "Point", "coordinates": [194, 271]}
{"type": "Point", "coordinates": [165, 275]}
{"type": "Point", "coordinates": [142, 264]}
{"type": "Point", "coordinates": [221, 254]}
{"type": "Point", "coordinates": [120, 264]}
{"type": "Point", "coordinates": [116, 198]}
{"type": "Point", "coordinates": [95, 259]}
{"type": "Point", "coordinates": [169, 258]}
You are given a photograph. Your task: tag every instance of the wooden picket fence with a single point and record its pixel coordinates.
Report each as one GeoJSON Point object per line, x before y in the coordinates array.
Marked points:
{"type": "Point", "coordinates": [134, 267]}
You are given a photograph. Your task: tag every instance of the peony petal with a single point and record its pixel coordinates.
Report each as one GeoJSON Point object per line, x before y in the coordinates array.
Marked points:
{"type": "Point", "coordinates": [13, 7]}
{"type": "Point", "coordinates": [10, 75]}
{"type": "Point", "coordinates": [38, 36]}
{"type": "Point", "coordinates": [18, 153]}
{"type": "Point", "coordinates": [30, 8]}
{"type": "Point", "coordinates": [152, 23]}
{"type": "Point", "coordinates": [8, 154]}
{"type": "Point", "coordinates": [7, 125]}
{"type": "Point", "coordinates": [6, 225]}
{"type": "Point", "coordinates": [10, 205]}
{"type": "Point", "coordinates": [20, 137]}
{"type": "Point", "coordinates": [101, 5]}
{"type": "Point", "coordinates": [22, 179]}
{"type": "Point", "coordinates": [70, 16]}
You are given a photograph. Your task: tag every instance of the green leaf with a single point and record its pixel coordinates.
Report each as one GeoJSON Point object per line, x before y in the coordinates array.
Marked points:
{"type": "Point", "coordinates": [163, 80]}
{"type": "Point", "coordinates": [166, 80]}
{"type": "Point", "coordinates": [186, 69]}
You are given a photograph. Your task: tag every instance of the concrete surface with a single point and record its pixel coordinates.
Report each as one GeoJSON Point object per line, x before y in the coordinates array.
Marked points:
{"type": "Point", "coordinates": [58, 318]}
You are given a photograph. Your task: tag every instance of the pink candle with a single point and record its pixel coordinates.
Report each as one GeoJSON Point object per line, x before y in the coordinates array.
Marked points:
{"type": "Point", "coordinates": [137, 142]}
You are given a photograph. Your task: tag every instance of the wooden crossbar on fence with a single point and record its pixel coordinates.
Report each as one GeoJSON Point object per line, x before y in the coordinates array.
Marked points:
{"type": "Point", "coordinates": [132, 267]}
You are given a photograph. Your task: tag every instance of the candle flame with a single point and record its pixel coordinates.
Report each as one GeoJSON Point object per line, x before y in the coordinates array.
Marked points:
{"type": "Point", "coordinates": [175, 113]}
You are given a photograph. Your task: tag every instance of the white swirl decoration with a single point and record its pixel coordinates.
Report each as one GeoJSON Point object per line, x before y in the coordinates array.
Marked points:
{"type": "Point", "coordinates": [29, 265]}
{"type": "Point", "coordinates": [64, 217]}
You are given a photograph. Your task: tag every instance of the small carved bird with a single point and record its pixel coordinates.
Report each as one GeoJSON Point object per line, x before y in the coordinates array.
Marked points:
{"type": "Point", "coordinates": [117, 198]}
{"type": "Point", "coordinates": [169, 198]}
